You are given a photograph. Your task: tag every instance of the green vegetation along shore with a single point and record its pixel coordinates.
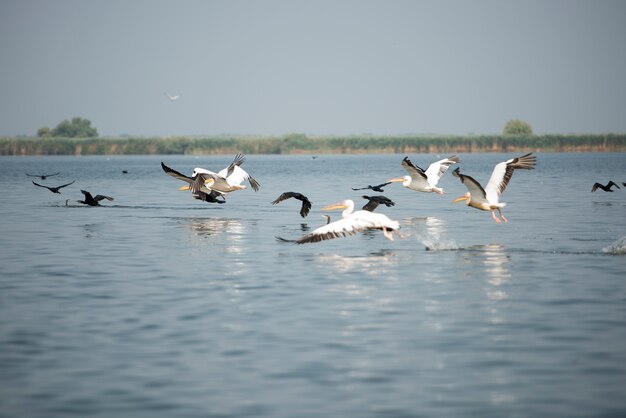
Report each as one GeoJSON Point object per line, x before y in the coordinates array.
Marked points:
{"type": "Point", "coordinates": [302, 144]}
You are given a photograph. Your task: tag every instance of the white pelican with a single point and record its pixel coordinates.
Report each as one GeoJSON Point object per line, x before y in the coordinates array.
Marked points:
{"type": "Point", "coordinates": [374, 201]}
{"type": "Point", "coordinates": [53, 189]}
{"type": "Point", "coordinates": [172, 98]}
{"type": "Point", "coordinates": [425, 181]}
{"type": "Point", "coordinates": [489, 197]}
{"type": "Point", "coordinates": [306, 203]}
{"type": "Point", "coordinates": [351, 223]}
{"type": "Point", "coordinates": [228, 179]}
{"type": "Point", "coordinates": [91, 200]}
{"type": "Point", "coordinates": [606, 188]}
{"type": "Point", "coordinates": [196, 184]}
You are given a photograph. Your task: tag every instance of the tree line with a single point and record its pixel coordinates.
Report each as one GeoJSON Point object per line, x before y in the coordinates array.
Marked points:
{"type": "Point", "coordinates": [303, 144]}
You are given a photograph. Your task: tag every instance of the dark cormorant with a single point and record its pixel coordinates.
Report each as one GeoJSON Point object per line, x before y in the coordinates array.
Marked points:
{"type": "Point", "coordinates": [378, 188]}
{"type": "Point", "coordinates": [374, 201]}
{"type": "Point", "coordinates": [306, 203]}
{"type": "Point", "coordinates": [42, 176]}
{"type": "Point", "coordinates": [93, 201]}
{"type": "Point", "coordinates": [606, 188]}
{"type": "Point", "coordinates": [53, 189]}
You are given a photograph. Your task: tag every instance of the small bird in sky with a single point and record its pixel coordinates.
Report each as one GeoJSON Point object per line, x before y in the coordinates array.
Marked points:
{"type": "Point", "coordinates": [42, 176]}
{"type": "Point", "coordinates": [172, 98]}
{"type": "Point", "coordinates": [53, 189]}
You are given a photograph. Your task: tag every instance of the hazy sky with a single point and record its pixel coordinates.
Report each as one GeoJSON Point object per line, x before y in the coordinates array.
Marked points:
{"type": "Point", "coordinates": [316, 67]}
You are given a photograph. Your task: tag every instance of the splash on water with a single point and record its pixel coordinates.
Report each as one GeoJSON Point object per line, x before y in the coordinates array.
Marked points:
{"type": "Point", "coordinates": [618, 247]}
{"type": "Point", "coordinates": [433, 238]}
{"type": "Point", "coordinates": [439, 244]}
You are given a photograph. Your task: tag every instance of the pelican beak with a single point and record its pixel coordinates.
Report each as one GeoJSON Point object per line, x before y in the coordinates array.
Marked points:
{"type": "Point", "coordinates": [397, 180]}
{"type": "Point", "coordinates": [334, 206]}
{"type": "Point", "coordinates": [184, 188]}
{"type": "Point", "coordinates": [207, 181]}
{"type": "Point", "coordinates": [463, 198]}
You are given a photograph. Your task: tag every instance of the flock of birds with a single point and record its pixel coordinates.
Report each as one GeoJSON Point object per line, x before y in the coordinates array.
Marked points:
{"type": "Point", "coordinates": [89, 199]}
{"type": "Point", "coordinates": [213, 187]}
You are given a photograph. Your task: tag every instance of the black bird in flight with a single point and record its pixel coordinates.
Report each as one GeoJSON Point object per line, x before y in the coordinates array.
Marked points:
{"type": "Point", "coordinates": [374, 201]}
{"type": "Point", "coordinates": [93, 201]}
{"type": "Point", "coordinates": [306, 203]}
{"type": "Point", "coordinates": [378, 188]}
{"type": "Point", "coordinates": [606, 188]}
{"type": "Point", "coordinates": [53, 189]}
{"type": "Point", "coordinates": [42, 176]}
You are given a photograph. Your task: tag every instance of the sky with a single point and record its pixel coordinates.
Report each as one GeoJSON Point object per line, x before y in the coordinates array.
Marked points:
{"type": "Point", "coordinates": [324, 67]}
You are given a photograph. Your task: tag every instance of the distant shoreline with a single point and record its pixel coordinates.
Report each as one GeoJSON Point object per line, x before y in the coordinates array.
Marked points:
{"type": "Point", "coordinates": [302, 144]}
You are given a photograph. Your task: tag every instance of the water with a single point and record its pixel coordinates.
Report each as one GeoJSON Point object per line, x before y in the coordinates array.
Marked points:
{"type": "Point", "coordinates": [157, 305]}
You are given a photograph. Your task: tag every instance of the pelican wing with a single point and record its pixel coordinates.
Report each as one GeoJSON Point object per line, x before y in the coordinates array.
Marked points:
{"type": "Point", "coordinates": [171, 172]}
{"type": "Point", "coordinates": [100, 197]}
{"type": "Point", "coordinates": [342, 228]}
{"type": "Point", "coordinates": [438, 169]}
{"type": "Point", "coordinates": [237, 176]}
{"type": "Point", "coordinates": [217, 183]}
{"type": "Point", "coordinates": [416, 173]}
{"type": "Point", "coordinates": [239, 159]}
{"type": "Point", "coordinates": [503, 172]}
{"type": "Point", "coordinates": [477, 192]}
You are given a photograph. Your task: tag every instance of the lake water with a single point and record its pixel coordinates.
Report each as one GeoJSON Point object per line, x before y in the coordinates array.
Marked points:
{"type": "Point", "coordinates": [158, 305]}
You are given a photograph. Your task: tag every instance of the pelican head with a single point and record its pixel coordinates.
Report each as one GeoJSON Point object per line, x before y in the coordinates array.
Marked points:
{"type": "Point", "coordinates": [405, 180]}
{"type": "Point", "coordinates": [465, 198]}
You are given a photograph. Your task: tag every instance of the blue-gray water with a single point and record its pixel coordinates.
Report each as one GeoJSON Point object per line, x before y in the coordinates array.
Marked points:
{"type": "Point", "coordinates": [158, 305]}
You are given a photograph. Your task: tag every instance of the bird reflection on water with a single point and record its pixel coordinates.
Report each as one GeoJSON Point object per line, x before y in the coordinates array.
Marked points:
{"type": "Point", "coordinates": [373, 264]}
{"type": "Point", "coordinates": [491, 263]}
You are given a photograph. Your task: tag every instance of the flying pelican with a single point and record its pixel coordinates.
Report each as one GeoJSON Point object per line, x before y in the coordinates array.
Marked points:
{"type": "Point", "coordinates": [172, 98]}
{"type": "Point", "coordinates": [306, 203]}
{"type": "Point", "coordinates": [54, 189]}
{"type": "Point", "coordinates": [93, 201]}
{"type": "Point", "coordinates": [351, 223]}
{"type": "Point", "coordinates": [197, 186]}
{"type": "Point", "coordinates": [489, 197]}
{"type": "Point", "coordinates": [42, 176]}
{"type": "Point", "coordinates": [377, 188]}
{"type": "Point", "coordinates": [606, 188]}
{"type": "Point", "coordinates": [228, 179]}
{"type": "Point", "coordinates": [374, 201]}
{"type": "Point", "coordinates": [425, 181]}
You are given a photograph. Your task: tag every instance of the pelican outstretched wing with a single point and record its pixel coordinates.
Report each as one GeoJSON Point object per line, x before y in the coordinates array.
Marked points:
{"type": "Point", "coordinates": [503, 172]}
{"type": "Point", "coordinates": [414, 171]}
{"type": "Point", "coordinates": [180, 176]}
{"type": "Point", "coordinates": [437, 169]}
{"type": "Point", "coordinates": [477, 192]}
